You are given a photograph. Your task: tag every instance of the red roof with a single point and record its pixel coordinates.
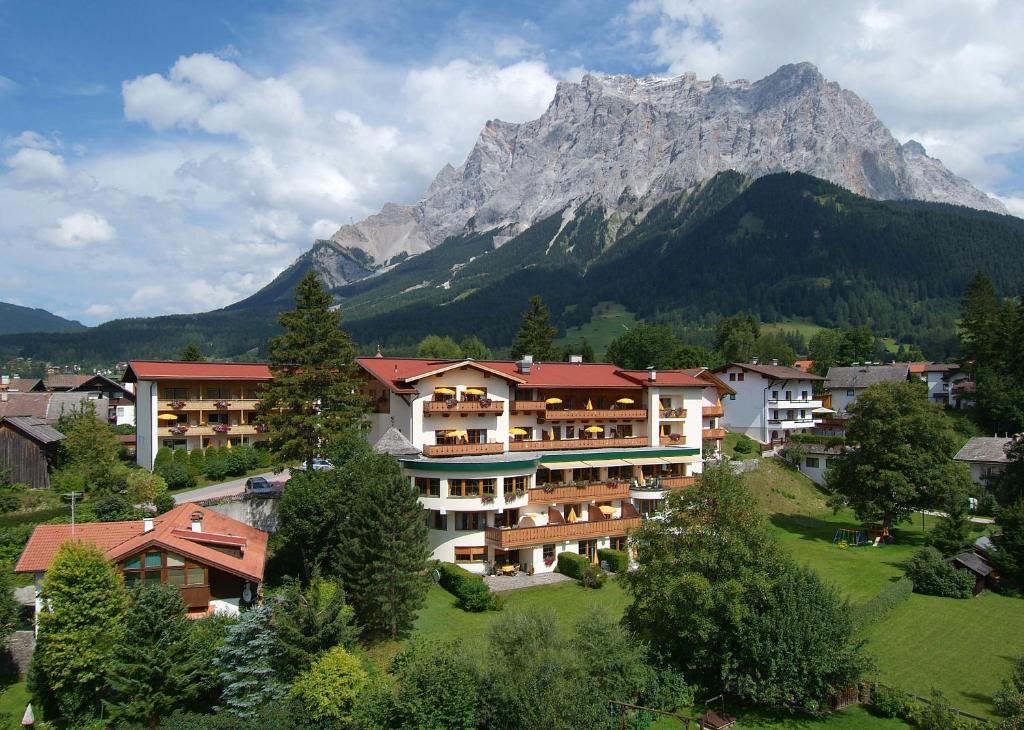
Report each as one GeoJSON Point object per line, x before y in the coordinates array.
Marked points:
{"type": "Point", "coordinates": [918, 367]}
{"type": "Point", "coordinates": [176, 370]}
{"type": "Point", "coordinates": [399, 373]}
{"type": "Point", "coordinates": [171, 530]}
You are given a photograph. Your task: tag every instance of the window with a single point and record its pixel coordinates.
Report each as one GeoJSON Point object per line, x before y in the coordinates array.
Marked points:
{"type": "Point", "coordinates": [803, 395]}
{"type": "Point", "coordinates": [471, 554]}
{"type": "Point", "coordinates": [516, 484]}
{"type": "Point", "coordinates": [176, 393]}
{"type": "Point", "coordinates": [217, 418]}
{"type": "Point", "coordinates": [588, 549]}
{"type": "Point", "coordinates": [508, 518]}
{"type": "Point", "coordinates": [623, 431]}
{"type": "Point", "coordinates": [775, 395]}
{"type": "Point", "coordinates": [470, 520]}
{"type": "Point", "coordinates": [570, 432]}
{"type": "Point", "coordinates": [471, 487]}
{"type": "Point", "coordinates": [176, 444]}
{"type": "Point", "coordinates": [812, 462]}
{"type": "Point", "coordinates": [427, 486]}
{"type": "Point", "coordinates": [739, 376]}
{"type": "Point", "coordinates": [217, 394]}
{"type": "Point", "coordinates": [436, 520]}
{"type": "Point", "coordinates": [789, 395]}
{"type": "Point", "coordinates": [850, 393]}
{"type": "Point", "coordinates": [548, 552]}
{"type": "Point", "coordinates": [154, 567]}
{"type": "Point", "coordinates": [618, 543]}
{"type": "Point", "coordinates": [732, 396]}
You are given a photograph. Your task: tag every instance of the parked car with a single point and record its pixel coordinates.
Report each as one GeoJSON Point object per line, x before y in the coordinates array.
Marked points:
{"type": "Point", "coordinates": [258, 485]}
{"type": "Point", "coordinates": [321, 465]}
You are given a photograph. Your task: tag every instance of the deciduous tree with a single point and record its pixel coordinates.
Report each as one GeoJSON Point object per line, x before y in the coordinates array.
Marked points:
{"type": "Point", "coordinates": [314, 396]}
{"type": "Point", "coordinates": [436, 688]}
{"type": "Point", "coordinates": [439, 348]}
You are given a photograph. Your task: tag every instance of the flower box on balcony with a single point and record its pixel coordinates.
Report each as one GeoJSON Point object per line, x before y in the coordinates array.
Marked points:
{"type": "Point", "coordinates": [221, 427]}
{"type": "Point", "coordinates": [176, 404]}
{"type": "Point", "coordinates": [487, 499]}
{"type": "Point", "coordinates": [222, 404]}
{"type": "Point", "coordinates": [179, 430]}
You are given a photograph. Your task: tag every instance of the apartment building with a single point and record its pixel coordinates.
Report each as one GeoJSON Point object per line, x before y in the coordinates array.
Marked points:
{"type": "Point", "coordinates": [516, 462]}
{"type": "Point", "coordinates": [190, 405]}
{"type": "Point", "coordinates": [712, 410]}
{"type": "Point", "coordinates": [770, 401]}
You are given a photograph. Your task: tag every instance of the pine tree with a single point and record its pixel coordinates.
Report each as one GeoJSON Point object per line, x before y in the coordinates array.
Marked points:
{"type": "Point", "coordinates": [309, 622]}
{"type": "Point", "coordinates": [191, 353]}
{"type": "Point", "coordinates": [77, 635]}
{"type": "Point", "coordinates": [536, 335]}
{"type": "Point", "coordinates": [154, 670]}
{"type": "Point", "coordinates": [314, 396]}
{"type": "Point", "coordinates": [246, 665]}
{"type": "Point", "coordinates": [979, 322]}
{"type": "Point", "coordinates": [382, 553]}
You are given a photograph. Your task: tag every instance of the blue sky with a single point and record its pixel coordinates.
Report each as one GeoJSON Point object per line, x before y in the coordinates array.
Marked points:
{"type": "Point", "coordinates": [173, 157]}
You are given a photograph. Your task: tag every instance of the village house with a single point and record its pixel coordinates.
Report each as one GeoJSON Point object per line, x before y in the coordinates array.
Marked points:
{"type": "Point", "coordinates": [985, 456]}
{"type": "Point", "coordinates": [216, 561]}
{"type": "Point", "coordinates": [770, 401]}
{"type": "Point", "coordinates": [843, 385]}
{"type": "Point", "coordinates": [192, 405]}
{"type": "Point", "coordinates": [28, 450]}
{"type": "Point", "coordinates": [516, 462]}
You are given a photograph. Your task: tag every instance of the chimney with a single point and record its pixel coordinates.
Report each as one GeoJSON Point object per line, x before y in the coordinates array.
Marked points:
{"type": "Point", "coordinates": [197, 521]}
{"type": "Point", "coordinates": [5, 379]}
{"type": "Point", "coordinates": [147, 524]}
{"type": "Point", "coordinates": [652, 375]}
{"type": "Point", "coordinates": [753, 361]}
{"type": "Point", "coordinates": [3, 395]}
{"type": "Point", "coordinates": [576, 358]}
{"type": "Point", "coordinates": [775, 361]}
{"type": "Point", "coordinates": [525, 364]}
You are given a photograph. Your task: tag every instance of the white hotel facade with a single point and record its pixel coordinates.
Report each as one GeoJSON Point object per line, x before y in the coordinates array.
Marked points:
{"type": "Point", "coordinates": [770, 401]}
{"type": "Point", "coordinates": [517, 462]}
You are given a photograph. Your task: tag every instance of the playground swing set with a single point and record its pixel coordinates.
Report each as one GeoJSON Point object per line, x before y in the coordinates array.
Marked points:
{"type": "Point", "coordinates": [875, 535]}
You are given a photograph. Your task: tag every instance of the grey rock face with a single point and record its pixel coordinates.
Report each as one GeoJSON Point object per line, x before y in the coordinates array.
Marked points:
{"type": "Point", "coordinates": [625, 143]}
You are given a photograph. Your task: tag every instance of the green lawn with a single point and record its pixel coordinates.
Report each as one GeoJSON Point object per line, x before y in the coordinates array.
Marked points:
{"type": "Point", "coordinates": [852, 718]}
{"type": "Point", "coordinates": [729, 447]}
{"type": "Point", "coordinates": [608, 321]}
{"type": "Point", "coordinates": [13, 698]}
{"type": "Point", "coordinates": [807, 329]}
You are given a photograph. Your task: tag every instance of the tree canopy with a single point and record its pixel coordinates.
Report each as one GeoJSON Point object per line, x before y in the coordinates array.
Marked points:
{"type": "Point", "coordinates": [536, 335]}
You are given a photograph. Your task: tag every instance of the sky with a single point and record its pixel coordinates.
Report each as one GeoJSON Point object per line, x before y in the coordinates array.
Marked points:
{"type": "Point", "coordinates": [160, 157]}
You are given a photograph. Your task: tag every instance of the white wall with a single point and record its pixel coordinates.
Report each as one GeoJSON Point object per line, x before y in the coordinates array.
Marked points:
{"type": "Point", "coordinates": [146, 442]}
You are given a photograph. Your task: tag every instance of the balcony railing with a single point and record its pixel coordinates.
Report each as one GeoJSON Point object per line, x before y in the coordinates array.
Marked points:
{"type": "Point", "coordinates": [464, 406]}
{"type": "Point", "coordinates": [566, 444]}
{"type": "Point", "coordinates": [529, 406]}
{"type": "Point", "coordinates": [713, 434]}
{"type": "Point", "coordinates": [210, 404]}
{"type": "Point", "coordinates": [462, 449]}
{"type": "Point", "coordinates": [242, 430]}
{"type": "Point", "coordinates": [569, 493]}
{"type": "Point", "coordinates": [713, 411]}
{"type": "Point", "coordinates": [675, 439]}
{"type": "Point", "coordinates": [603, 414]}
{"type": "Point", "coordinates": [672, 413]}
{"type": "Point", "coordinates": [514, 537]}
{"type": "Point", "coordinates": [654, 484]}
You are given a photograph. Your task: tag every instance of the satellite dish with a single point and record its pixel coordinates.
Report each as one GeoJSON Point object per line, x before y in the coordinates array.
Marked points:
{"type": "Point", "coordinates": [247, 593]}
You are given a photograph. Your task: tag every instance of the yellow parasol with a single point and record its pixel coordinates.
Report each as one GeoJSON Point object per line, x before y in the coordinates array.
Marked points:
{"type": "Point", "coordinates": [474, 391]}
{"type": "Point", "coordinates": [553, 401]}
{"type": "Point", "coordinates": [167, 417]}
{"type": "Point", "coordinates": [518, 431]}
{"type": "Point", "coordinates": [590, 406]}
{"type": "Point", "coordinates": [572, 515]}
{"type": "Point", "coordinates": [594, 429]}
{"type": "Point", "coordinates": [444, 391]}
{"type": "Point", "coordinates": [607, 510]}
{"type": "Point", "coordinates": [229, 443]}
{"type": "Point", "coordinates": [457, 434]}
{"type": "Point", "coordinates": [626, 401]}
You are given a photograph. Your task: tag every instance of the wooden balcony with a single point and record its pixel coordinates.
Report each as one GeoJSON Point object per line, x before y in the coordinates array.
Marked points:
{"type": "Point", "coordinates": [528, 406]}
{"type": "Point", "coordinates": [713, 434]}
{"type": "Point", "coordinates": [675, 439]}
{"type": "Point", "coordinates": [464, 406]}
{"type": "Point", "coordinates": [672, 413]}
{"type": "Point", "coordinates": [198, 404]}
{"type": "Point", "coordinates": [713, 411]}
{"type": "Point", "coordinates": [676, 482]}
{"type": "Point", "coordinates": [566, 444]}
{"type": "Point", "coordinates": [243, 430]}
{"type": "Point", "coordinates": [462, 449]}
{"type": "Point", "coordinates": [565, 494]}
{"type": "Point", "coordinates": [514, 537]}
{"type": "Point", "coordinates": [604, 414]}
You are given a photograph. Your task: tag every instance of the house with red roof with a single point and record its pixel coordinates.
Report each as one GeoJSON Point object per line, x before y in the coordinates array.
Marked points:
{"type": "Point", "coordinates": [215, 561]}
{"type": "Point", "coordinates": [191, 405]}
{"type": "Point", "coordinates": [516, 462]}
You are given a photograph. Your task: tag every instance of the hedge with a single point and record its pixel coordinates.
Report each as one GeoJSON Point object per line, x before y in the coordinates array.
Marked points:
{"type": "Point", "coordinates": [890, 597]}
{"type": "Point", "coordinates": [572, 564]}
{"type": "Point", "coordinates": [470, 589]}
{"type": "Point", "coordinates": [618, 560]}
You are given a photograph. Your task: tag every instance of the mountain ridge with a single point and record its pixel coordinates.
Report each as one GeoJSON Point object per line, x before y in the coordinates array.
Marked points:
{"type": "Point", "coordinates": [17, 319]}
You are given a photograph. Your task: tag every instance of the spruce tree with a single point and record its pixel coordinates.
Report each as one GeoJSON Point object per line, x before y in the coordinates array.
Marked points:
{"type": "Point", "coordinates": [979, 322]}
{"type": "Point", "coordinates": [77, 635]}
{"type": "Point", "coordinates": [154, 670]}
{"type": "Point", "coordinates": [246, 667]}
{"type": "Point", "coordinates": [191, 353]}
{"type": "Point", "coordinates": [314, 396]}
{"type": "Point", "coordinates": [381, 558]}
{"type": "Point", "coordinates": [536, 335]}
{"type": "Point", "coordinates": [308, 622]}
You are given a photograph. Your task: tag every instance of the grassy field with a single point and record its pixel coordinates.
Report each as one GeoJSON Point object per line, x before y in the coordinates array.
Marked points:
{"type": "Point", "coordinates": [13, 698]}
{"type": "Point", "coordinates": [608, 321]}
{"type": "Point", "coordinates": [852, 718]}
{"type": "Point", "coordinates": [806, 329]}
{"type": "Point", "coordinates": [729, 447]}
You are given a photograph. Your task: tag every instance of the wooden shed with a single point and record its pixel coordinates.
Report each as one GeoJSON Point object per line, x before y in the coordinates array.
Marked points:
{"type": "Point", "coordinates": [28, 446]}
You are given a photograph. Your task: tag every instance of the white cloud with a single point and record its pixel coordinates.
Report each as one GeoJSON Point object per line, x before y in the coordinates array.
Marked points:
{"type": "Point", "coordinates": [80, 229]}
{"type": "Point", "coordinates": [7, 86]}
{"type": "Point", "coordinates": [31, 166]}
{"type": "Point", "coordinates": [946, 73]}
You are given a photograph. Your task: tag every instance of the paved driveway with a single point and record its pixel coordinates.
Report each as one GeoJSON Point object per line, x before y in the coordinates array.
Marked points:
{"type": "Point", "coordinates": [227, 489]}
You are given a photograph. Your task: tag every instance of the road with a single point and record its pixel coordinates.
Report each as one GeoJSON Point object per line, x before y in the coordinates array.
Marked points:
{"type": "Point", "coordinates": [227, 489]}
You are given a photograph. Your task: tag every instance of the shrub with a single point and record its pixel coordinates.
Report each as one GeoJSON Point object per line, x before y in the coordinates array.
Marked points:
{"type": "Point", "coordinates": [112, 508]}
{"type": "Point", "coordinates": [328, 690]}
{"type": "Point", "coordinates": [236, 462]}
{"type": "Point", "coordinates": [572, 564]}
{"type": "Point", "coordinates": [889, 702]}
{"type": "Point", "coordinates": [197, 462]}
{"type": "Point", "coordinates": [618, 560]}
{"type": "Point", "coordinates": [216, 464]}
{"type": "Point", "coordinates": [181, 457]}
{"type": "Point", "coordinates": [593, 577]}
{"type": "Point", "coordinates": [164, 455]}
{"type": "Point", "coordinates": [934, 576]}
{"type": "Point", "coordinates": [470, 589]}
{"type": "Point", "coordinates": [744, 445]}
{"type": "Point", "coordinates": [868, 613]}
{"type": "Point", "coordinates": [176, 475]}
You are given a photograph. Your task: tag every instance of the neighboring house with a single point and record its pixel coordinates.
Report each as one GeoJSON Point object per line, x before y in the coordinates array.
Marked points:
{"type": "Point", "coordinates": [49, 406]}
{"type": "Point", "coordinates": [712, 411]}
{"type": "Point", "coordinates": [190, 405]}
{"type": "Point", "coordinates": [216, 561]}
{"type": "Point", "coordinates": [65, 381]}
{"type": "Point", "coordinates": [815, 459]}
{"type": "Point", "coordinates": [28, 449]}
{"type": "Point", "coordinates": [516, 462]}
{"type": "Point", "coordinates": [771, 401]}
{"type": "Point", "coordinates": [845, 384]}
{"type": "Point", "coordinates": [804, 365]}
{"type": "Point", "coordinates": [120, 400]}
{"type": "Point", "coordinates": [985, 456]}
{"type": "Point", "coordinates": [940, 379]}
{"type": "Point", "coordinates": [21, 385]}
